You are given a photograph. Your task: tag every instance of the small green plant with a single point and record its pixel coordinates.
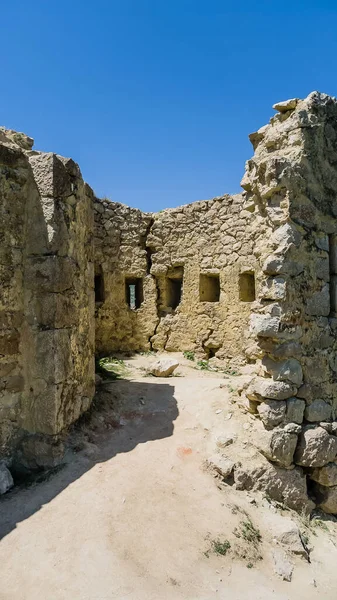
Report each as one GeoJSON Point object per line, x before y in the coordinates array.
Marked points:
{"type": "Point", "coordinates": [250, 565]}
{"type": "Point", "coordinates": [111, 368]}
{"type": "Point", "coordinates": [147, 353]}
{"type": "Point", "coordinates": [248, 532]}
{"type": "Point", "coordinates": [220, 547]}
{"type": "Point", "coordinates": [320, 523]}
{"type": "Point", "coordinates": [189, 354]}
{"type": "Point", "coordinates": [203, 365]}
{"type": "Point", "coordinates": [231, 372]}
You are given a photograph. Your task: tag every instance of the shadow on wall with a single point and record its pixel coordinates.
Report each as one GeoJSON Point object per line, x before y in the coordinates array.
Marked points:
{"type": "Point", "coordinates": [127, 413]}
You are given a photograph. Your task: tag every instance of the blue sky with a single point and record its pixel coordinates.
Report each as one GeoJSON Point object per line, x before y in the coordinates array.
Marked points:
{"type": "Point", "coordinates": [155, 99]}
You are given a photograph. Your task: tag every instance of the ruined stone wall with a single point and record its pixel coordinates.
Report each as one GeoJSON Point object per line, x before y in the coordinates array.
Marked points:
{"type": "Point", "coordinates": [190, 261]}
{"type": "Point", "coordinates": [212, 243]}
{"type": "Point", "coordinates": [292, 179]}
{"type": "Point", "coordinates": [120, 255]}
{"type": "Point", "coordinates": [47, 303]}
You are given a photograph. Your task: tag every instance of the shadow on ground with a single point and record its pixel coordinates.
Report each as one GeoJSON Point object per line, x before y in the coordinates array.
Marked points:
{"type": "Point", "coordinates": [125, 414]}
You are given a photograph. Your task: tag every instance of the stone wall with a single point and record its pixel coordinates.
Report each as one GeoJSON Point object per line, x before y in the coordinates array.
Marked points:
{"type": "Point", "coordinates": [211, 243]}
{"type": "Point", "coordinates": [121, 256]}
{"type": "Point", "coordinates": [251, 276]}
{"type": "Point", "coordinates": [292, 180]}
{"type": "Point", "coordinates": [193, 264]}
{"type": "Point", "coordinates": [47, 302]}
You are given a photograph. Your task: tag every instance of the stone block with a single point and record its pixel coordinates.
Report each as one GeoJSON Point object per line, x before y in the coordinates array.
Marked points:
{"type": "Point", "coordinates": [295, 410]}
{"type": "Point", "coordinates": [318, 410]}
{"type": "Point", "coordinates": [316, 448]}
{"type": "Point", "coordinates": [268, 388]}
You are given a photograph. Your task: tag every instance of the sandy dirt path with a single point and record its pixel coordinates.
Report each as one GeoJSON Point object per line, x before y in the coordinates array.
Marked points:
{"type": "Point", "coordinates": [133, 515]}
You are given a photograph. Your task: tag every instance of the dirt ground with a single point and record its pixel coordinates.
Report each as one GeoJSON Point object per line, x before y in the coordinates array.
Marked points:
{"type": "Point", "coordinates": [134, 514]}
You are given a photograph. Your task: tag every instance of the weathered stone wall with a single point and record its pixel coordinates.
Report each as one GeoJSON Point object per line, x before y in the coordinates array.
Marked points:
{"type": "Point", "coordinates": [120, 254]}
{"type": "Point", "coordinates": [210, 241]}
{"type": "Point", "coordinates": [292, 180]}
{"type": "Point", "coordinates": [211, 238]}
{"type": "Point", "coordinates": [47, 303]}
{"type": "Point", "coordinates": [190, 278]}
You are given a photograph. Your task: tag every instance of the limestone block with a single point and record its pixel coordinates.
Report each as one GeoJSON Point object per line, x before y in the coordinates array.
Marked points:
{"type": "Point", "coordinates": [286, 105]}
{"type": "Point", "coordinates": [274, 289]}
{"type": "Point", "coordinates": [319, 303]}
{"type": "Point", "coordinates": [264, 326]}
{"type": "Point", "coordinates": [278, 446]}
{"type": "Point", "coordinates": [283, 566]}
{"type": "Point", "coordinates": [318, 410]}
{"type": "Point", "coordinates": [268, 388]}
{"type": "Point", "coordinates": [316, 448]}
{"type": "Point", "coordinates": [287, 533]}
{"type": "Point", "coordinates": [287, 350]}
{"type": "Point", "coordinates": [275, 265]}
{"type": "Point", "coordinates": [221, 465]}
{"type": "Point", "coordinates": [286, 486]}
{"type": "Point", "coordinates": [284, 237]}
{"type": "Point", "coordinates": [52, 177]}
{"type": "Point", "coordinates": [272, 412]}
{"type": "Point", "coordinates": [326, 476]}
{"type": "Point", "coordinates": [163, 367]}
{"type": "Point", "coordinates": [295, 410]}
{"type": "Point", "coordinates": [288, 370]}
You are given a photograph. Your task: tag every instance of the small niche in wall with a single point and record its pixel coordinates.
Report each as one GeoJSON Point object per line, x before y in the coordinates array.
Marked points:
{"type": "Point", "coordinates": [247, 287]}
{"type": "Point", "coordinates": [134, 292]}
{"type": "Point", "coordinates": [174, 287]}
{"type": "Point", "coordinates": [99, 285]}
{"type": "Point", "coordinates": [209, 287]}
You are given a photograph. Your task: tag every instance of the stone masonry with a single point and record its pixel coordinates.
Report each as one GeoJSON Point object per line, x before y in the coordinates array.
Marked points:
{"type": "Point", "coordinates": [250, 277]}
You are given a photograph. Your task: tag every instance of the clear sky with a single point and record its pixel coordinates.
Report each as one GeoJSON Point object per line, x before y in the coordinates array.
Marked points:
{"type": "Point", "coordinates": [155, 99]}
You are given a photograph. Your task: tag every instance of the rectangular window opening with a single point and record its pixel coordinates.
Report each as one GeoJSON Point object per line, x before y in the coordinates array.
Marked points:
{"type": "Point", "coordinates": [174, 292]}
{"type": "Point", "coordinates": [134, 292]}
{"type": "Point", "coordinates": [174, 287]}
{"type": "Point", "coordinates": [99, 285]}
{"type": "Point", "coordinates": [247, 287]}
{"type": "Point", "coordinates": [209, 287]}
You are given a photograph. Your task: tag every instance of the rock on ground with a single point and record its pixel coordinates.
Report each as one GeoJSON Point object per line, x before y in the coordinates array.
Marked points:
{"type": "Point", "coordinates": [221, 465]}
{"type": "Point", "coordinates": [163, 367]}
{"type": "Point", "coordinates": [286, 486]}
{"type": "Point", "coordinates": [282, 565]}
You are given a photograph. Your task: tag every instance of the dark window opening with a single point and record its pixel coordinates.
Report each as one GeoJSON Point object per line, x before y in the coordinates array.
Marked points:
{"type": "Point", "coordinates": [209, 287]}
{"type": "Point", "coordinates": [174, 287]}
{"type": "Point", "coordinates": [212, 352]}
{"type": "Point", "coordinates": [247, 287]}
{"type": "Point", "coordinates": [99, 285]}
{"type": "Point", "coordinates": [134, 292]}
{"type": "Point", "coordinates": [333, 274]}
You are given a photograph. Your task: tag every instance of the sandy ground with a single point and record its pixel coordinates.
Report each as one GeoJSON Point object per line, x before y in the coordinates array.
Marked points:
{"type": "Point", "coordinates": [133, 513]}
